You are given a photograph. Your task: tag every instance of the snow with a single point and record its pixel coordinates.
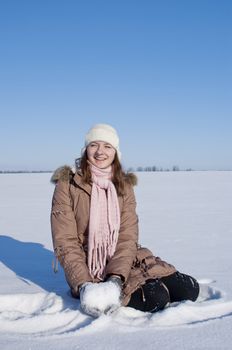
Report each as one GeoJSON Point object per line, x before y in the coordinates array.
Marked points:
{"type": "Point", "coordinates": [99, 298]}
{"type": "Point", "coordinates": [185, 218]}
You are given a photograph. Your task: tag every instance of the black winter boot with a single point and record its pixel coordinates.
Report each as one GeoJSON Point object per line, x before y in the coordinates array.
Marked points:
{"type": "Point", "coordinates": [152, 296]}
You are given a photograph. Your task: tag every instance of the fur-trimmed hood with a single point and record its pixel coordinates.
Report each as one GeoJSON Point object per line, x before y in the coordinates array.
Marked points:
{"type": "Point", "coordinates": [65, 173]}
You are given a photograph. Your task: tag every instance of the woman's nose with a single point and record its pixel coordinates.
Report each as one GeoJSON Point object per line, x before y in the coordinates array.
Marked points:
{"type": "Point", "coordinates": [99, 150]}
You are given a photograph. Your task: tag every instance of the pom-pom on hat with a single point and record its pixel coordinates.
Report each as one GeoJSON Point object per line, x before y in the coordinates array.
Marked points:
{"type": "Point", "coordinates": [103, 132]}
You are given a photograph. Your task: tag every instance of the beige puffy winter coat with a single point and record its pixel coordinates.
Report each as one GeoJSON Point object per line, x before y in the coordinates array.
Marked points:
{"type": "Point", "coordinates": [69, 223]}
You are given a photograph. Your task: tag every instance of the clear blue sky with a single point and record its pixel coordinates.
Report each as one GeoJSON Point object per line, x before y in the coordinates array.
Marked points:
{"type": "Point", "coordinates": [159, 71]}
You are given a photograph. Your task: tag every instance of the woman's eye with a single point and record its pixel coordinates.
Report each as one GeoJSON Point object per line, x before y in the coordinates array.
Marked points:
{"type": "Point", "coordinates": [108, 146]}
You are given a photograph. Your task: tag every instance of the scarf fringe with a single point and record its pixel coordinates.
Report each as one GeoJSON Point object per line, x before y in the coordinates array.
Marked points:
{"type": "Point", "coordinates": [97, 261]}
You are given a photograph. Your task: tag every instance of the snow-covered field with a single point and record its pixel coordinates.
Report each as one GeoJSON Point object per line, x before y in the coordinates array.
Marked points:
{"type": "Point", "coordinates": [185, 218]}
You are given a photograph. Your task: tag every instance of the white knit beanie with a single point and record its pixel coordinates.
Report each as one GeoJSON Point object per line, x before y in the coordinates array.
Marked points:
{"type": "Point", "coordinates": [103, 132]}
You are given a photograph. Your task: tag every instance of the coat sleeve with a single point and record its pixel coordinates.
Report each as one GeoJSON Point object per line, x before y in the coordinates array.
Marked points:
{"type": "Point", "coordinates": [126, 249]}
{"type": "Point", "coordinates": [65, 240]}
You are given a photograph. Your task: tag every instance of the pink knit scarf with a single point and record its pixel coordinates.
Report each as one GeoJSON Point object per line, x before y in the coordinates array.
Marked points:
{"type": "Point", "coordinates": [104, 221]}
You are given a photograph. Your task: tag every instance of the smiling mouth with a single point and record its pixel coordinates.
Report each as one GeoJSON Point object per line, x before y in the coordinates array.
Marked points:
{"type": "Point", "coordinates": [101, 159]}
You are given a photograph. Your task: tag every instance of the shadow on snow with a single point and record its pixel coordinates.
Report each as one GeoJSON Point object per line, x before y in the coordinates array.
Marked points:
{"type": "Point", "coordinates": [32, 263]}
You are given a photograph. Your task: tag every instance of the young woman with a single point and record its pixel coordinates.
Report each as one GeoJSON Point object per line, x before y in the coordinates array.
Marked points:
{"type": "Point", "coordinates": [95, 235]}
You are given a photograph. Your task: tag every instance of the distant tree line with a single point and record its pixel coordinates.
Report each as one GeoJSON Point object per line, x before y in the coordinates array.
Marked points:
{"type": "Point", "coordinates": [24, 171]}
{"type": "Point", "coordinates": [155, 168]}
{"type": "Point", "coordinates": [139, 169]}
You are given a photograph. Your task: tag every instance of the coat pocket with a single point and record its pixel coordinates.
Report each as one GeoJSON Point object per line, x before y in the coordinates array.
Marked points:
{"type": "Point", "coordinates": [152, 266]}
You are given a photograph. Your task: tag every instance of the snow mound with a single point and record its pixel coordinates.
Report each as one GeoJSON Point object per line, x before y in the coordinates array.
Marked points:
{"type": "Point", "coordinates": [176, 315]}
{"type": "Point", "coordinates": [22, 305]}
{"type": "Point", "coordinates": [34, 313]}
{"type": "Point", "coordinates": [47, 313]}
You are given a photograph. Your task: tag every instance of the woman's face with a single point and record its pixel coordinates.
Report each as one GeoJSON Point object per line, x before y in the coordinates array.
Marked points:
{"type": "Point", "coordinates": [101, 154]}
